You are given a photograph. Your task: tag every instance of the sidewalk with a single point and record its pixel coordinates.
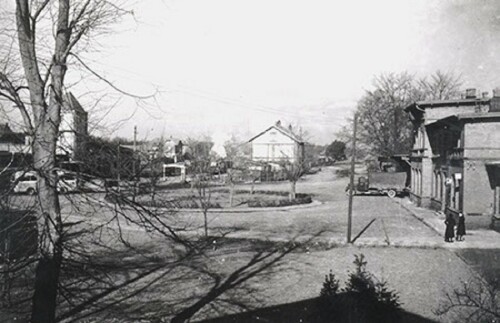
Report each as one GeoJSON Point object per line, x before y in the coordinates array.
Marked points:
{"type": "Point", "coordinates": [475, 239]}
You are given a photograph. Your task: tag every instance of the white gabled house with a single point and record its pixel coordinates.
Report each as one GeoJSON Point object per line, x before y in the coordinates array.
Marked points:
{"type": "Point", "coordinates": [73, 130]}
{"type": "Point", "coordinates": [277, 144]}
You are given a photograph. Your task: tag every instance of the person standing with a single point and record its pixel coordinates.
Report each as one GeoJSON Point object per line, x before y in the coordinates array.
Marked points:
{"type": "Point", "coordinates": [450, 228]}
{"type": "Point", "coordinates": [461, 227]}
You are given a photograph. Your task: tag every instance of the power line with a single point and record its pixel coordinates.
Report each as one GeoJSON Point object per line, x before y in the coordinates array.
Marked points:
{"type": "Point", "coordinates": [321, 119]}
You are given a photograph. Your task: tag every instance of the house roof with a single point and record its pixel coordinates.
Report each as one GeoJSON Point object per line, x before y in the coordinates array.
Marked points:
{"type": "Point", "coordinates": [4, 128]}
{"type": "Point", "coordinates": [71, 104]}
{"type": "Point", "coordinates": [421, 105]}
{"type": "Point", "coordinates": [283, 130]}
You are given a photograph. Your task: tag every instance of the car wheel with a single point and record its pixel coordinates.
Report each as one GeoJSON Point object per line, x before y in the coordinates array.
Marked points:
{"type": "Point", "coordinates": [391, 194]}
{"type": "Point", "coordinates": [63, 190]}
{"type": "Point", "coordinates": [31, 191]}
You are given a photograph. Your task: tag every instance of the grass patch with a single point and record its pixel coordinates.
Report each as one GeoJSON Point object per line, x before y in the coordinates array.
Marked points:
{"type": "Point", "coordinates": [485, 261]}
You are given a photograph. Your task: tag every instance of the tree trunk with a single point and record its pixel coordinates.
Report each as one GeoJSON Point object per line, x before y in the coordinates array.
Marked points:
{"type": "Point", "coordinates": [205, 221]}
{"type": "Point", "coordinates": [46, 130]}
{"type": "Point", "coordinates": [231, 194]}
{"type": "Point", "coordinates": [292, 194]}
{"type": "Point", "coordinates": [50, 224]}
{"type": "Point", "coordinates": [45, 296]}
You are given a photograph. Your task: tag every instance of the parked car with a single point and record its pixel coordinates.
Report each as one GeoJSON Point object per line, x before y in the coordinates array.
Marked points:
{"type": "Point", "coordinates": [67, 182]}
{"type": "Point", "coordinates": [381, 183]}
{"type": "Point", "coordinates": [27, 182]}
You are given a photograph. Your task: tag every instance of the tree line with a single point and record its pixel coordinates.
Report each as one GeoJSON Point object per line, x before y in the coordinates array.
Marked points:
{"type": "Point", "coordinates": [384, 128]}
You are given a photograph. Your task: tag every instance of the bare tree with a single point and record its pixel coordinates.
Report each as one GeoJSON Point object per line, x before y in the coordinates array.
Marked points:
{"type": "Point", "coordinates": [44, 67]}
{"type": "Point", "coordinates": [238, 154]}
{"type": "Point", "coordinates": [293, 172]}
{"type": "Point", "coordinates": [96, 256]}
{"type": "Point", "coordinates": [440, 86]}
{"type": "Point", "coordinates": [201, 167]}
{"type": "Point", "coordinates": [384, 128]}
{"type": "Point", "coordinates": [474, 301]}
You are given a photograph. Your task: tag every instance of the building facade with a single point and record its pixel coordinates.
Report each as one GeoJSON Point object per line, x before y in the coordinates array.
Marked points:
{"type": "Point", "coordinates": [455, 154]}
{"type": "Point", "coordinates": [73, 130]}
{"type": "Point", "coordinates": [277, 144]}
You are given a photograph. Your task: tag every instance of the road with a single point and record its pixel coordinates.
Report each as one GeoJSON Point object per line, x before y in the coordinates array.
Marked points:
{"type": "Point", "coordinates": [325, 219]}
{"type": "Point", "coordinates": [420, 275]}
{"type": "Point", "coordinates": [393, 224]}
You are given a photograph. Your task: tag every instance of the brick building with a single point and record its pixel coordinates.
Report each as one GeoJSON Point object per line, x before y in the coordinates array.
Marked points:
{"type": "Point", "coordinates": [456, 154]}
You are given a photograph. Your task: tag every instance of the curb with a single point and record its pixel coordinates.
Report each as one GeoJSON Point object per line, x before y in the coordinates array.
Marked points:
{"type": "Point", "coordinates": [254, 209]}
{"type": "Point", "coordinates": [420, 218]}
{"type": "Point", "coordinates": [228, 210]}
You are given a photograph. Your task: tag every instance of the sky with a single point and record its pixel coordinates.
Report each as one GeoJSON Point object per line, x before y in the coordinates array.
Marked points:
{"type": "Point", "coordinates": [225, 67]}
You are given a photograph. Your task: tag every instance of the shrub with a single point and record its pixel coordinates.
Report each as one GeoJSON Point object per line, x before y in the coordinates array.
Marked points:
{"type": "Point", "coordinates": [301, 199]}
{"type": "Point", "coordinates": [330, 286]}
{"type": "Point", "coordinates": [181, 203]}
{"type": "Point", "coordinates": [342, 172]}
{"type": "Point", "coordinates": [363, 299]}
{"type": "Point", "coordinates": [279, 193]}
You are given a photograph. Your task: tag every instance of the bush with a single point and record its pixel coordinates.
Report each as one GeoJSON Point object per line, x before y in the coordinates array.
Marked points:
{"type": "Point", "coordinates": [264, 192]}
{"type": "Point", "coordinates": [301, 199]}
{"type": "Point", "coordinates": [342, 172]}
{"type": "Point", "coordinates": [330, 286]}
{"type": "Point", "coordinates": [182, 204]}
{"type": "Point", "coordinates": [364, 299]}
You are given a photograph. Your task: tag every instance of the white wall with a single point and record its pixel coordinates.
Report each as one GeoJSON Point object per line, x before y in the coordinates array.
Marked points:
{"type": "Point", "coordinates": [273, 145]}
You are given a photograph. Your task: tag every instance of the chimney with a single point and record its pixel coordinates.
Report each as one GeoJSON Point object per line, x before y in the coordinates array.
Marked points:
{"type": "Point", "coordinates": [470, 93]}
{"type": "Point", "coordinates": [495, 101]}
{"type": "Point", "coordinates": [290, 127]}
{"type": "Point", "coordinates": [278, 123]}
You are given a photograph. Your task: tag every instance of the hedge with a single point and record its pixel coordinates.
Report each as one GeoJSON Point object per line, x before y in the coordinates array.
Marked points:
{"type": "Point", "coordinates": [302, 199]}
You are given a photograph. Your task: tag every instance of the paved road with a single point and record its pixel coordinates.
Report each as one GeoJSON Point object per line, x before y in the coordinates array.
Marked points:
{"type": "Point", "coordinates": [393, 224]}
{"type": "Point", "coordinates": [420, 275]}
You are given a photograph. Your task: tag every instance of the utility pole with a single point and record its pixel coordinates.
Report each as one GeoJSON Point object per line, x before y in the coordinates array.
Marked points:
{"type": "Point", "coordinates": [119, 166]}
{"type": "Point", "coordinates": [134, 169]}
{"type": "Point", "coordinates": [351, 182]}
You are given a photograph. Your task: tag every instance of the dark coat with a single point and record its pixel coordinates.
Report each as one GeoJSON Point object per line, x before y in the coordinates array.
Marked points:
{"type": "Point", "coordinates": [461, 226]}
{"type": "Point", "coordinates": [450, 228]}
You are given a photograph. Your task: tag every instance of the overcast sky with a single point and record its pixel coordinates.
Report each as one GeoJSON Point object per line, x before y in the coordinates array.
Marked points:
{"type": "Point", "coordinates": [228, 66]}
